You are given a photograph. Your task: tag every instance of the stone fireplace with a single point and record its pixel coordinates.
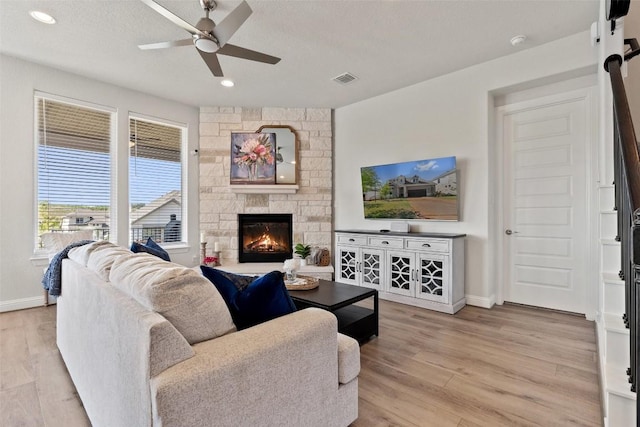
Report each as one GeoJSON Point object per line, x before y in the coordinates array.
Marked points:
{"type": "Point", "coordinates": [264, 237]}
{"type": "Point", "coordinates": [310, 206]}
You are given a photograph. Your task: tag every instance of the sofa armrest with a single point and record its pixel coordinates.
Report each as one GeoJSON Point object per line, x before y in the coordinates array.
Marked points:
{"type": "Point", "coordinates": [348, 359]}
{"type": "Point", "coordinates": [111, 346]}
{"type": "Point", "coordinates": [281, 372]}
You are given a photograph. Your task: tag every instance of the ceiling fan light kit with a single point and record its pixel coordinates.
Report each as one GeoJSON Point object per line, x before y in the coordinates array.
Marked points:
{"type": "Point", "coordinates": [206, 45]}
{"type": "Point", "coordinates": [210, 39]}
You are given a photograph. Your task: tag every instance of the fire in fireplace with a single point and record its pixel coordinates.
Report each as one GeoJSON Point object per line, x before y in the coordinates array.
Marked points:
{"type": "Point", "coordinates": [264, 237]}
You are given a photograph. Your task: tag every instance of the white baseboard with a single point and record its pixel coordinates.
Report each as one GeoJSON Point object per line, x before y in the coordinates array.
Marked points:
{"type": "Point", "coordinates": [22, 303]}
{"type": "Point", "coordinates": [484, 302]}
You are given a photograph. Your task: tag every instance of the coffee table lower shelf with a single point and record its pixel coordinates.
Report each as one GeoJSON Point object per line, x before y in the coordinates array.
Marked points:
{"type": "Point", "coordinates": [356, 321]}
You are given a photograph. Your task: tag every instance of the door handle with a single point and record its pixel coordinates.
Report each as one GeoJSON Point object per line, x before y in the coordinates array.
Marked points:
{"type": "Point", "coordinates": [509, 232]}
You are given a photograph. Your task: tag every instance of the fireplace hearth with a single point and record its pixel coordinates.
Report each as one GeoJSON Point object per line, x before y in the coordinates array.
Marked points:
{"type": "Point", "coordinates": [264, 237]}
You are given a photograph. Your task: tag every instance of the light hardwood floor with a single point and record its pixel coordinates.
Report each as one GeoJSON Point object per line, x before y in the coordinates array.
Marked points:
{"type": "Point", "coordinates": [508, 366]}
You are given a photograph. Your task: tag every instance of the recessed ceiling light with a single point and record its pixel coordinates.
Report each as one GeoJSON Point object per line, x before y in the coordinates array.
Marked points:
{"type": "Point", "coordinates": [517, 40]}
{"type": "Point", "coordinates": [227, 83]}
{"type": "Point", "coordinates": [42, 17]}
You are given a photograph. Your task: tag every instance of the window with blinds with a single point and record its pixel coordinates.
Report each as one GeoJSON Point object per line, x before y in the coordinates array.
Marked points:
{"type": "Point", "coordinates": [74, 190]}
{"type": "Point", "coordinates": [155, 181]}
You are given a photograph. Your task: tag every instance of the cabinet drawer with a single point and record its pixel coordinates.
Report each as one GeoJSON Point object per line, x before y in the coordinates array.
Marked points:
{"type": "Point", "coordinates": [433, 245]}
{"type": "Point", "coordinates": [385, 242]}
{"type": "Point", "coordinates": [352, 239]}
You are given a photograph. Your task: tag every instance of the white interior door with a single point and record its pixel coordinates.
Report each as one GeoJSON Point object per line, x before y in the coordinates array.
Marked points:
{"type": "Point", "coordinates": [545, 204]}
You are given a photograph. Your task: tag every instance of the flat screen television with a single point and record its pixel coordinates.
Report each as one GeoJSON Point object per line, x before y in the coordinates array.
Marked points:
{"type": "Point", "coordinates": [421, 190]}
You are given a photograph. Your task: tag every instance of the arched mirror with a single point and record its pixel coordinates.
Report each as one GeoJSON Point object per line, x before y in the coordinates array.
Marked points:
{"type": "Point", "coordinates": [286, 152]}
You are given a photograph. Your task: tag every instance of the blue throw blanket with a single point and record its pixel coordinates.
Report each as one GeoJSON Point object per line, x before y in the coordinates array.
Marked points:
{"type": "Point", "coordinates": [52, 280]}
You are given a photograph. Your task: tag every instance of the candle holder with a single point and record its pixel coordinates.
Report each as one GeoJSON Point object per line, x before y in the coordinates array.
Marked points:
{"type": "Point", "coordinates": [203, 252]}
{"type": "Point", "coordinates": [216, 255]}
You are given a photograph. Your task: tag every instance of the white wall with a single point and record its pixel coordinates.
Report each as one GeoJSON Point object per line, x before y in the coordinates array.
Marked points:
{"type": "Point", "coordinates": [450, 115]}
{"type": "Point", "coordinates": [632, 82]}
{"type": "Point", "coordinates": [20, 272]}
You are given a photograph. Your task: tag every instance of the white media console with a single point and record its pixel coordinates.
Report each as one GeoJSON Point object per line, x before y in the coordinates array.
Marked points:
{"type": "Point", "coordinates": [421, 269]}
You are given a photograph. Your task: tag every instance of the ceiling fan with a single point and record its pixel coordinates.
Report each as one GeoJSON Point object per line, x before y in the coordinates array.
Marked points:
{"type": "Point", "coordinates": [210, 39]}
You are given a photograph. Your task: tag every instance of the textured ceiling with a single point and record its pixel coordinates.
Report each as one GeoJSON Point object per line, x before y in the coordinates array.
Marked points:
{"type": "Point", "coordinates": [387, 44]}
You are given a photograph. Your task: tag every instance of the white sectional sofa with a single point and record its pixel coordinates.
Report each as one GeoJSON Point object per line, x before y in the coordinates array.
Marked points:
{"type": "Point", "coordinates": [151, 343]}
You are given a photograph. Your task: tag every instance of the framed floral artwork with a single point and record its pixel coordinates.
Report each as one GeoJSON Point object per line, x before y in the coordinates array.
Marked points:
{"type": "Point", "coordinates": [253, 158]}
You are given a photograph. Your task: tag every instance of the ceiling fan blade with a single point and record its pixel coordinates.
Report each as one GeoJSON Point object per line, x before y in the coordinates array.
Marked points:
{"type": "Point", "coordinates": [230, 24]}
{"type": "Point", "coordinates": [162, 45]}
{"type": "Point", "coordinates": [172, 17]}
{"type": "Point", "coordinates": [211, 59]}
{"type": "Point", "coordinates": [252, 55]}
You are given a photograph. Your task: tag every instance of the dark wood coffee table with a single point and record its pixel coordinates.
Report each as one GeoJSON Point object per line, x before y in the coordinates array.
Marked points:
{"type": "Point", "coordinates": [353, 320]}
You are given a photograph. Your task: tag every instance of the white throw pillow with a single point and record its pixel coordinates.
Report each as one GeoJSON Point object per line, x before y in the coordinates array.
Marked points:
{"type": "Point", "coordinates": [55, 242]}
{"type": "Point", "coordinates": [184, 297]}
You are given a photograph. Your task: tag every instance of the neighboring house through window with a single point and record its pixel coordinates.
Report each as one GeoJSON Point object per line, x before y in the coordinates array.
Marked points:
{"type": "Point", "coordinates": [155, 180]}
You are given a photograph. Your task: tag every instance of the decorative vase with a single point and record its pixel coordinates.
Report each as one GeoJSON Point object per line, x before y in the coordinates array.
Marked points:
{"type": "Point", "coordinates": [291, 275]}
{"type": "Point", "coordinates": [253, 172]}
{"type": "Point", "coordinates": [211, 261]}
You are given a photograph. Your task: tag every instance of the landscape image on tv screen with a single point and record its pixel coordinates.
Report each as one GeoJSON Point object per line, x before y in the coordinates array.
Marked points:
{"type": "Point", "coordinates": [423, 189]}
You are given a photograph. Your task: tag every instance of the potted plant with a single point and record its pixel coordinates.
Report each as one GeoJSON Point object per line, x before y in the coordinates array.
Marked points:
{"type": "Point", "coordinates": [303, 251]}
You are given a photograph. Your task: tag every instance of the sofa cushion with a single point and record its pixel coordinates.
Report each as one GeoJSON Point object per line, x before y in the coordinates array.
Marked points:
{"type": "Point", "coordinates": [81, 254]}
{"type": "Point", "coordinates": [151, 247]}
{"type": "Point", "coordinates": [180, 294]}
{"type": "Point", "coordinates": [102, 257]}
{"type": "Point", "coordinates": [265, 298]}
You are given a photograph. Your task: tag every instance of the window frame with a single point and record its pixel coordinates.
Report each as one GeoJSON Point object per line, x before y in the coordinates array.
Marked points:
{"type": "Point", "coordinates": [184, 138]}
{"type": "Point", "coordinates": [38, 97]}
{"type": "Point", "coordinates": [119, 166]}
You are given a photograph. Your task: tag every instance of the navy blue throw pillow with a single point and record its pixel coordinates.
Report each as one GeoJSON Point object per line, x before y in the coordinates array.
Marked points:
{"type": "Point", "coordinates": [224, 284]}
{"type": "Point", "coordinates": [265, 298]}
{"type": "Point", "coordinates": [152, 248]}
{"type": "Point", "coordinates": [240, 281]}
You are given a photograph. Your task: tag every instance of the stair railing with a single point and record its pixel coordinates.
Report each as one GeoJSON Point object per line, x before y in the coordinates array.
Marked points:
{"type": "Point", "coordinates": [627, 204]}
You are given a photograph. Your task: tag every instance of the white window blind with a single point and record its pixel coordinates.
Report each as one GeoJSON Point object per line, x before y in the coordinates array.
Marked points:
{"type": "Point", "coordinates": [73, 168]}
{"type": "Point", "coordinates": [155, 181]}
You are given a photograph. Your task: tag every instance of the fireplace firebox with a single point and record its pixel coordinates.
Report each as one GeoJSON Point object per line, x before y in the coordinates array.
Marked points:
{"type": "Point", "coordinates": [264, 237]}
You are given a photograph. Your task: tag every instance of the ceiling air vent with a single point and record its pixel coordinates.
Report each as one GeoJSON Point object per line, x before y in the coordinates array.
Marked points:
{"type": "Point", "coordinates": [345, 78]}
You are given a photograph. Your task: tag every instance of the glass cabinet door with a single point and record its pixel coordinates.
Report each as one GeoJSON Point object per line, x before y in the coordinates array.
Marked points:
{"type": "Point", "coordinates": [347, 265]}
{"type": "Point", "coordinates": [432, 277]}
{"type": "Point", "coordinates": [401, 273]}
{"type": "Point", "coordinates": [371, 268]}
